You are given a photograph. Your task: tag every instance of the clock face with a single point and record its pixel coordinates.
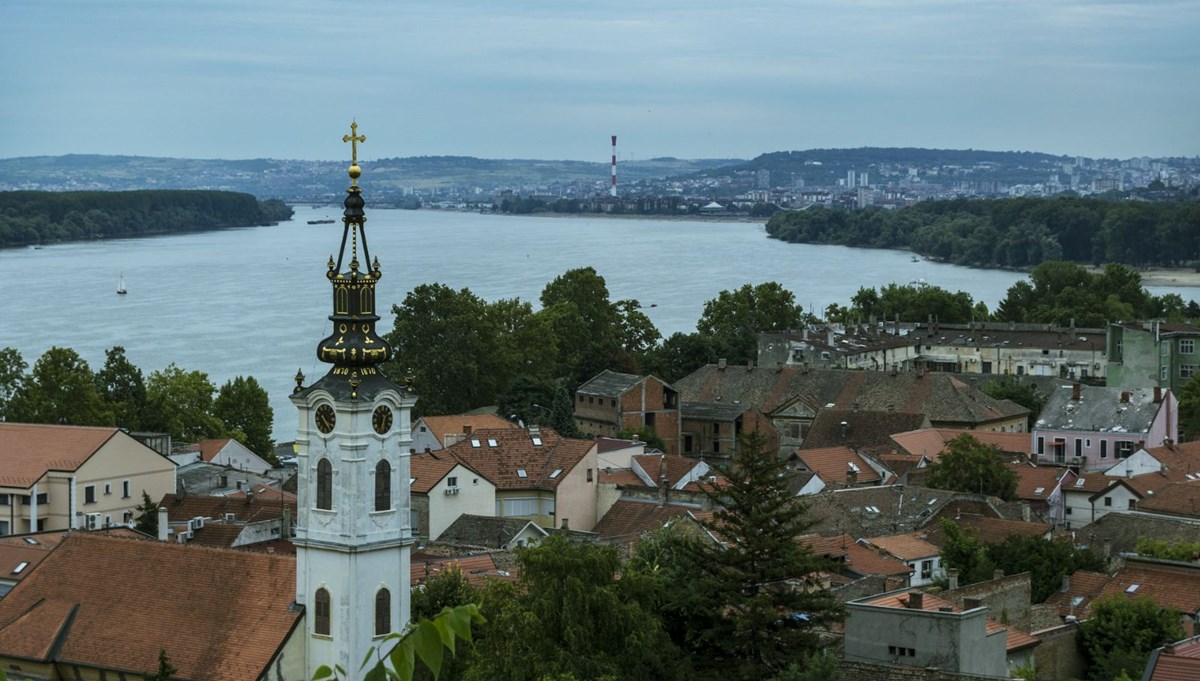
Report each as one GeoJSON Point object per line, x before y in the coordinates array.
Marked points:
{"type": "Point", "coordinates": [381, 420]}
{"type": "Point", "coordinates": [325, 418]}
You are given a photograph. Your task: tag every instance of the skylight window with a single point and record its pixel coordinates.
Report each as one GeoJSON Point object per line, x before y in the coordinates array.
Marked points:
{"type": "Point", "coordinates": [1039, 490]}
{"type": "Point", "coordinates": [1079, 482]}
{"type": "Point", "coordinates": [521, 473]}
{"type": "Point", "coordinates": [537, 441]}
{"type": "Point", "coordinates": [31, 541]}
{"type": "Point", "coordinates": [411, 481]}
{"type": "Point", "coordinates": [1131, 588]}
{"type": "Point", "coordinates": [557, 472]}
{"type": "Point", "coordinates": [492, 442]}
{"type": "Point", "coordinates": [475, 443]}
{"type": "Point", "coordinates": [932, 501]}
{"type": "Point", "coordinates": [20, 566]}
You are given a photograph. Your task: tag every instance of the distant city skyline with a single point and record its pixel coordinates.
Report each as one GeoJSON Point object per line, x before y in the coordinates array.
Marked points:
{"type": "Point", "coordinates": [538, 80]}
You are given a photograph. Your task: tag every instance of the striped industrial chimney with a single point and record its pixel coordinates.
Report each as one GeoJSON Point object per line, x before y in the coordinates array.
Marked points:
{"type": "Point", "coordinates": [613, 190]}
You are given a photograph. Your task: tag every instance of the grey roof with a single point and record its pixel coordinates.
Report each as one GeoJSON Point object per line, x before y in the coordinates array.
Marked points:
{"type": "Point", "coordinates": [1121, 529]}
{"type": "Point", "coordinates": [200, 477]}
{"type": "Point", "coordinates": [484, 531]}
{"type": "Point", "coordinates": [945, 399]}
{"type": "Point", "coordinates": [863, 428]}
{"type": "Point", "coordinates": [999, 335]}
{"type": "Point", "coordinates": [712, 411]}
{"type": "Point", "coordinates": [1099, 410]}
{"type": "Point", "coordinates": [609, 384]}
{"type": "Point", "coordinates": [899, 508]}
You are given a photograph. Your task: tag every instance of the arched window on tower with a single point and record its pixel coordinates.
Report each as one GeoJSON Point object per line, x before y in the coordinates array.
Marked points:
{"type": "Point", "coordinates": [364, 301]}
{"type": "Point", "coordinates": [325, 485]}
{"type": "Point", "coordinates": [383, 612]}
{"type": "Point", "coordinates": [341, 303]}
{"type": "Point", "coordinates": [321, 614]}
{"type": "Point", "coordinates": [383, 486]}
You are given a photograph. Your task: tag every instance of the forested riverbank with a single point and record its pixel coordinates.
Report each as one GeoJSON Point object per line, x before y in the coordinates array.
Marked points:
{"type": "Point", "coordinates": [1011, 233]}
{"type": "Point", "coordinates": [34, 217]}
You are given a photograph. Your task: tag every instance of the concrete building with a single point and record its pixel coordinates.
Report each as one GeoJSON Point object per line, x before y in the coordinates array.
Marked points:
{"type": "Point", "coordinates": [444, 488]}
{"type": "Point", "coordinates": [225, 452]}
{"type": "Point", "coordinates": [1013, 349]}
{"type": "Point", "coordinates": [1148, 354]}
{"type": "Point", "coordinates": [867, 347]}
{"type": "Point", "coordinates": [75, 477]}
{"type": "Point", "coordinates": [917, 629]}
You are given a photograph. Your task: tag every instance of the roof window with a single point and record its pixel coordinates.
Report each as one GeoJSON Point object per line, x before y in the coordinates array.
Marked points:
{"type": "Point", "coordinates": [521, 473]}
{"type": "Point", "coordinates": [557, 472]}
{"type": "Point", "coordinates": [20, 566]}
{"type": "Point", "coordinates": [475, 443]}
{"type": "Point", "coordinates": [1131, 588]}
{"type": "Point", "coordinates": [1079, 482]}
{"type": "Point", "coordinates": [492, 442]}
{"type": "Point", "coordinates": [31, 541]}
{"type": "Point", "coordinates": [537, 441]}
{"type": "Point", "coordinates": [1039, 490]}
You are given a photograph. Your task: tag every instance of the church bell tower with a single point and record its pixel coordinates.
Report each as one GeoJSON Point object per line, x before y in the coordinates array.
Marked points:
{"type": "Point", "coordinates": [353, 535]}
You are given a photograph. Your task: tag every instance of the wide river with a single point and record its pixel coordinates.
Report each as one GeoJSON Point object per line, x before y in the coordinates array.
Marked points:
{"type": "Point", "coordinates": [255, 301]}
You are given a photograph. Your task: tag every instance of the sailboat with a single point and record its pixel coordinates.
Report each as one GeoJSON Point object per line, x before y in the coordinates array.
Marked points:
{"type": "Point", "coordinates": [121, 285]}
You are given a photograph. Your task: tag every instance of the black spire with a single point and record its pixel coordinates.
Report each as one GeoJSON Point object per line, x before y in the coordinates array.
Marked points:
{"type": "Point", "coordinates": [355, 349]}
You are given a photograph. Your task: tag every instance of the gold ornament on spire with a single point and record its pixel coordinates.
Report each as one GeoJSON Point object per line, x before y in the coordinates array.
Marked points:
{"type": "Point", "coordinates": [354, 138]}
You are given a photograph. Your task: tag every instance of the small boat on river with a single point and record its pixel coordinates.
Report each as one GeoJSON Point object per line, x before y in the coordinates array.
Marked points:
{"type": "Point", "coordinates": [326, 221]}
{"type": "Point", "coordinates": [121, 285]}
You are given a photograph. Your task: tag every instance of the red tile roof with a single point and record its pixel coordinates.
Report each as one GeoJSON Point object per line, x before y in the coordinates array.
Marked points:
{"type": "Point", "coordinates": [989, 530]}
{"type": "Point", "coordinates": [428, 469]}
{"type": "Point", "coordinates": [906, 546]}
{"type": "Point", "coordinates": [832, 464]}
{"type": "Point", "coordinates": [1180, 498]}
{"type": "Point", "coordinates": [515, 451]}
{"type": "Point", "coordinates": [255, 509]}
{"type": "Point", "coordinates": [1171, 585]}
{"type": "Point", "coordinates": [855, 557]}
{"type": "Point", "coordinates": [130, 598]}
{"type": "Point", "coordinates": [629, 519]}
{"type": "Point", "coordinates": [28, 451]}
{"type": "Point", "coordinates": [1036, 483]}
{"type": "Point", "coordinates": [29, 549]}
{"type": "Point", "coordinates": [1083, 587]}
{"type": "Point", "coordinates": [441, 426]}
{"type": "Point", "coordinates": [1176, 662]}
{"type": "Point", "coordinates": [476, 568]}
{"type": "Point", "coordinates": [930, 442]}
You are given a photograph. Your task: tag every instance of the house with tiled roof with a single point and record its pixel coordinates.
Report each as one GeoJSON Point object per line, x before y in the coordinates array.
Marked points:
{"type": "Point", "coordinates": [1173, 585]}
{"type": "Point", "coordinates": [866, 347]}
{"type": "Point", "coordinates": [227, 522]}
{"type": "Point", "coordinates": [225, 452]}
{"type": "Point", "coordinates": [103, 607]}
{"type": "Point", "coordinates": [855, 559]}
{"type": "Point", "coordinates": [491, 532]}
{"type": "Point", "coordinates": [477, 568]}
{"type": "Point", "coordinates": [627, 520]}
{"type": "Point", "coordinates": [1078, 590]}
{"type": "Point", "coordinates": [1178, 499]}
{"type": "Point", "coordinates": [838, 467]}
{"type": "Point", "coordinates": [931, 442]}
{"type": "Point", "coordinates": [431, 433]}
{"type": "Point", "coordinates": [1093, 427]}
{"type": "Point", "coordinates": [75, 477]}
{"type": "Point", "coordinates": [617, 453]}
{"type": "Point", "coordinates": [1179, 661]}
{"type": "Point", "coordinates": [1042, 488]}
{"type": "Point", "coordinates": [946, 400]}
{"type": "Point", "coordinates": [860, 429]}
{"type": "Point", "coordinates": [1130, 483]}
{"type": "Point", "coordinates": [922, 557]}
{"type": "Point", "coordinates": [20, 555]}
{"type": "Point", "coordinates": [538, 474]}
{"type": "Point", "coordinates": [610, 402]}
{"type": "Point", "coordinates": [917, 629]}
{"type": "Point", "coordinates": [444, 488]}
{"type": "Point", "coordinates": [988, 529]}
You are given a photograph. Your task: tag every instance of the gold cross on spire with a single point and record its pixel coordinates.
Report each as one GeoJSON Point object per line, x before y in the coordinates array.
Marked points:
{"type": "Point", "coordinates": [354, 138]}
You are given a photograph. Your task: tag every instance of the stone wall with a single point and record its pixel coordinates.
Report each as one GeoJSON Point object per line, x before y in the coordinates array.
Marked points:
{"type": "Point", "coordinates": [1057, 656]}
{"type": "Point", "coordinates": [1007, 598]}
{"type": "Point", "coordinates": [861, 671]}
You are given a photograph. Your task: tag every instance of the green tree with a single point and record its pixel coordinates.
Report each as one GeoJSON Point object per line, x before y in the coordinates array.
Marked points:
{"type": "Point", "coordinates": [181, 403]}
{"type": "Point", "coordinates": [645, 434]}
{"type": "Point", "coordinates": [122, 388]}
{"type": "Point", "coordinates": [1121, 632]}
{"type": "Point", "coordinates": [570, 615]}
{"type": "Point", "coordinates": [146, 521]}
{"type": "Point", "coordinates": [821, 666]}
{"type": "Point", "coordinates": [735, 318]}
{"type": "Point", "coordinates": [12, 376]}
{"type": "Point", "coordinates": [165, 668]}
{"type": "Point", "coordinates": [447, 589]}
{"type": "Point", "coordinates": [60, 389]}
{"type": "Point", "coordinates": [681, 354]}
{"type": "Point", "coordinates": [968, 465]}
{"type": "Point", "coordinates": [395, 657]}
{"type": "Point", "coordinates": [1010, 387]}
{"type": "Point", "coordinates": [1156, 548]}
{"type": "Point", "coordinates": [243, 407]}
{"type": "Point", "coordinates": [1189, 409]}
{"type": "Point", "coordinates": [963, 551]}
{"type": "Point", "coordinates": [1045, 560]}
{"type": "Point", "coordinates": [757, 588]}
{"type": "Point", "coordinates": [586, 325]}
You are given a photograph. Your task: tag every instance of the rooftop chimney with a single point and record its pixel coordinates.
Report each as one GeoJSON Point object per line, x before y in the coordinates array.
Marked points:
{"type": "Point", "coordinates": [1157, 394]}
{"type": "Point", "coordinates": [1124, 397]}
{"type": "Point", "coordinates": [466, 429]}
{"type": "Point", "coordinates": [916, 600]}
{"type": "Point", "coordinates": [1075, 389]}
{"type": "Point", "coordinates": [163, 529]}
{"type": "Point", "coordinates": [845, 429]}
{"type": "Point", "coordinates": [997, 573]}
{"type": "Point", "coordinates": [721, 363]}
{"type": "Point", "coordinates": [952, 577]}
{"type": "Point", "coordinates": [566, 523]}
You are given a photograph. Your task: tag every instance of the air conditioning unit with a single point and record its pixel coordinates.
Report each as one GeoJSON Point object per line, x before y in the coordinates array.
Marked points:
{"type": "Point", "coordinates": [93, 521]}
{"type": "Point", "coordinates": [451, 490]}
{"type": "Point", "coordinates": [230, 517]}
{"type": "Point", "coordinates": [197, 523]}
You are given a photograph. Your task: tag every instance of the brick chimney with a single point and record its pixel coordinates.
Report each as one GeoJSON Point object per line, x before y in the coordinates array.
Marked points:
{"type": "Point", "coordinates": [1075, 392]}
{"type": "Point", "coordinates": [916, 600]}
{"type": "Point", "coordinates": [1124, 397]}
{"type": "Point", "coordinates": [1157, 394]}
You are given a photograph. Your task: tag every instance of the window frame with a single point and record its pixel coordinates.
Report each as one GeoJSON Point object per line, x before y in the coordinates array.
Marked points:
{"type": "Point", "coordinates": [383, 486]}
{"type": "Point", "coordinates": [322, 617]}
{"type": "Point", "coordinates": [383, 612]}
{"type": "Point", "coordinates": [324, 482]}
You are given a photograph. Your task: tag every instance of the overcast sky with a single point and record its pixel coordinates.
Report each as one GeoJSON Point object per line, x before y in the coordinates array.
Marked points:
{"type": "Point", "coordinates": [553, 79]}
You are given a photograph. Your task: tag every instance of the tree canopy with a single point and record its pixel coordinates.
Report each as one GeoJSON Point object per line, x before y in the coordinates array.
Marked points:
{"type": "Point", "coordinates": [734, 319]}
{"type": "Point", "coordinates": [1121, 632]}
{"type": "Point", "coordinates": [968, 465]}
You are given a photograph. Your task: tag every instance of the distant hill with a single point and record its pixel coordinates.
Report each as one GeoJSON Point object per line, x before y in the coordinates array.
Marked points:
{"type": "Point", "coordinates": [299, 180]}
